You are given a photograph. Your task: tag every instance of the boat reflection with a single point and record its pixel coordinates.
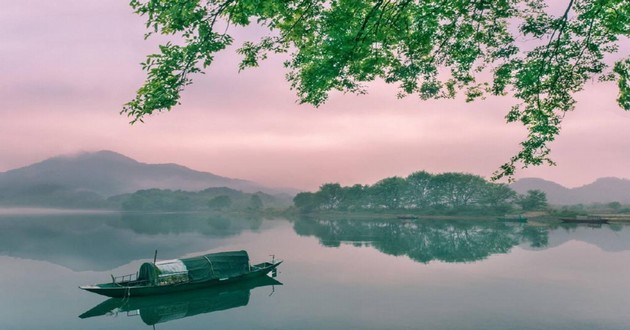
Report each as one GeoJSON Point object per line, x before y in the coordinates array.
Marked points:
{"type": "Point", "coordinates": [165, 308]}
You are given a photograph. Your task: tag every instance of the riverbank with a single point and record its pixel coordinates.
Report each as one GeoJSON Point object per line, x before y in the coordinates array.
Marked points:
{"type": "Point", "coordinates": [51, 211]}
{"type": "Point", "coordinates": [532, 217]}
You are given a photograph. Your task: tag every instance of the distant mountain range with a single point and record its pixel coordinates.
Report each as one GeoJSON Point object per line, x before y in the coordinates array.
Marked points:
{"type": "Point", "coordinates": [603, 190]}
{"type": "Point", "coordinates": [85, 179]}
{"type": "Point", "coordinates": [88, 179]}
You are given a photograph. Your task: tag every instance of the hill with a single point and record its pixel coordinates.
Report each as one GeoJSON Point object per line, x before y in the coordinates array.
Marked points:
{"type": "Point", "coordinates": [602, 190]}
{"type": "Point", "coordinates": [87, 179]}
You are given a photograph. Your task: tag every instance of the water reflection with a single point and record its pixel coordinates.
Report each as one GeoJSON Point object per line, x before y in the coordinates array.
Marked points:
{"type": "Point", "coordinates": [425, 241]}
{"type": "Point", "coordinates": [213, 225]}
{"type": "Point", "coordinates": [575, 279]}
{"type": "Point", "coordinates": [98, 242]}
{"type": "Point", "coordinates": [165, 308]}
{"type": "Point", "coordinates": [457, 240]}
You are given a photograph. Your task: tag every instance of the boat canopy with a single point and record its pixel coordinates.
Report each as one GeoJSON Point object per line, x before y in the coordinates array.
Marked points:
{"type": "Point", "coordinates": [196, 269]}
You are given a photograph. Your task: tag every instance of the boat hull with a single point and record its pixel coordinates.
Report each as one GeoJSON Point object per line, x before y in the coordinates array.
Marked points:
{"type": "Point", "coordinates": [519, 220]}
{"type": "Point", "coordinates": [592, 221]}
{"type": "Point", "coordinates": [116, 290]}
{"type": "Point", "coordinates": [166, 308]}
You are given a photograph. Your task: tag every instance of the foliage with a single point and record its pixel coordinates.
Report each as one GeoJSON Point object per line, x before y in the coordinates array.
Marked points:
{"type": "Point", "coordinates": [388, 193]}
{"type": "Point", "coordinates": [306, 201]}
{"type": "Point", "coordinates": [498, 197]}
{"type": "Point", "coordinates": [256, 203]}
{"type": "Point", "coordinates": [331, 195]}
{"type": "Point", "coordinates": [616, 206]}
{"type": "Point", "coordinates": [457, 190]}
{"type": "Point", "coordinates": [219, 199]}
{"type": "Point", "coordinates": [158, 200]}
{"type": "Point", "coordinates": [220, 202]}
{"type": "Point", "coordinates": [341, 45]}
{"type": "Point", "coordinates": [54, 195]}
{"type": "Point", "coordinates": [568, 211]}
{"type": "Point", "coordinates": [535, 200]}
{"type": "Point", "coordinates": [421, 191]}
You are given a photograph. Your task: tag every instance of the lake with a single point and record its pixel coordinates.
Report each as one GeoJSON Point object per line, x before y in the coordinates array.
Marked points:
{"type": "Point", "coordinates": [337, 274]}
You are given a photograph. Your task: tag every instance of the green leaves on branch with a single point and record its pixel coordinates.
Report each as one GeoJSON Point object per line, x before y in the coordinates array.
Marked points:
{"type": "Point", "coordinates": [168, 72]}
{"type": "Point", "coordinates": [433, 49]}
{"type": "Point", "coordinates": [545, 78]}
{"type": "Point", "coordinates": [622, 69]}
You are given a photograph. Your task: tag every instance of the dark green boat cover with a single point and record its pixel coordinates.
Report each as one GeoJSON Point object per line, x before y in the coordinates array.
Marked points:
{"type": "Point", "coordinates": [196, 269]}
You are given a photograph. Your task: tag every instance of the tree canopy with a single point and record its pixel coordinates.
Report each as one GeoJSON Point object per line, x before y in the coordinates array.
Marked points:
{"type": "Point", "coordinates": [445, 193]}
{"type": "Point", "coordinates": [535, 200]}
{"type": "Point", "coordinates": [431, 48]}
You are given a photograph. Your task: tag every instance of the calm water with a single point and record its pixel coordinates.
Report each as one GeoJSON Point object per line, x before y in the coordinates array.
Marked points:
{"type": "Point", "coordinates": [367, 274]}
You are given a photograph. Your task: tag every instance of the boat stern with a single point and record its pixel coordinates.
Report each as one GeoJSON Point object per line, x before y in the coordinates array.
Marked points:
{"type": "Point", "coordinates": [105, 290]}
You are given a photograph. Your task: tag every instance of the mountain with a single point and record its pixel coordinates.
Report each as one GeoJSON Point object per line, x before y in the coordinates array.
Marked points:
{"type": "Point", "coordinates": [87, 178]}
{"type": "Point", "coordinates": [556, 194]}
{"type": "Point", "coordinates": [603, 190]}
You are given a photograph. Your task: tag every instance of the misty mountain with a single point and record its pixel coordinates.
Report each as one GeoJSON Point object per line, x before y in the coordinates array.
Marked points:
{"type": "Point", "coordinates": [603, 190]}
{"type": "Point", "coordinates": [86, 179]}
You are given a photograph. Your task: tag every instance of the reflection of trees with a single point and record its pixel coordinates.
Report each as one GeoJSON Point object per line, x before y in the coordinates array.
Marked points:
{"type": "Point", "coordinates": [537, 237]}
{"type": "Point", "coordinates": [99, 242]}
{"type": "Point", "coordinates": [214, 225]}
{"type": "Point", "coordinates": [424, 241]}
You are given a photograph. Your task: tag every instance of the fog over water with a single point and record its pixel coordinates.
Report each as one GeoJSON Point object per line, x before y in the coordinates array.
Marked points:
{"type": "Point", "coordinates": [373, 273]}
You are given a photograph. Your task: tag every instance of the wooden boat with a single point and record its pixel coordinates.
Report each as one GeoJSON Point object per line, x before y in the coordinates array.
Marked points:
{"type": "Point", "coordinates": [585, 219]}
{"type": "Point", "coordinates": [513, 218]}
{"type": "Point", "coordinates": [166, 308]}
{"type": "Point", "coordinates": [184, 274]}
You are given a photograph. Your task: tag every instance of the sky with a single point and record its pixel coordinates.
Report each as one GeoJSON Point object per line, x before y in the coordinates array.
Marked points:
{"type": "Point", "coordinates": [68, 66]}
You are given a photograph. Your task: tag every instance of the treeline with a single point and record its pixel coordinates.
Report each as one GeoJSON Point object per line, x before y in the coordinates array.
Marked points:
{"type": "Point", "coordinates": [211, 199]}
{"type": "Point", "coordinates": [443, 193]}
{"type": "Point", "coordinates": [53, 195]}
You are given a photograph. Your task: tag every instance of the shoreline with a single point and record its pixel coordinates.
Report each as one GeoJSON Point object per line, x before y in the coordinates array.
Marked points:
{"type": "Point", "coordinates": [51, 211]}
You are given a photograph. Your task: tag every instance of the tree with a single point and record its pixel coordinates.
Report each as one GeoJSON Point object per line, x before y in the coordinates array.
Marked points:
{"type": "Point", "coordinates": [306, 201]}
{"type": "Point", "coordinates": [533, 201]}
{"type": "Point", "coordinates": [341, 45]}
{"type": "Point", "coordinates": [255, 203]}
{"type": "Point", "coordinates": [418, 189]}
{"type": "Point", "coordinates": [457, 190]}
{"type": "Point", "coordinates": [388, 192]}
{"type": "Point", "coordinates": [330, 195]}
{"type": "Point", "coordinates": [220, 202]}
{"type": "Point", "coordinates": [498, 197]}
{"type": "Point", "coordinates": [616, 206]}
{"type": "Point", "coordinates": [354, 197]}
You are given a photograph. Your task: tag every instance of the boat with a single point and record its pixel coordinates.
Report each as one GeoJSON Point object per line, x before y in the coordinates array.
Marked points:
{"type": "Point", "coordinates": [165, 308]}
{"type": "Point", "coordinates": [513, 218]}
{"type": "Point", "coordinates": [592, 219]}
{"type": "Point", "coordinates": [178, 275]}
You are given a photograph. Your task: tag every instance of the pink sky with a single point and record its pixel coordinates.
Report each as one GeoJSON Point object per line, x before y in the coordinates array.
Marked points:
{"type": "Point", "coordinates": [68, 66]}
